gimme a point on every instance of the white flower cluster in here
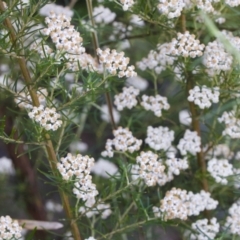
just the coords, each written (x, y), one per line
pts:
(158, 60)
(100, 208)
(206, 229)
(159, 138)
(204, 96)
(220, 169)
(120, 31)
(103, 15)
(6, 166)
(57, 9)
(42, 49)
(155, 104)
(151, 169)
(232, 124)
(75, 166)
(79, 167)
(9, 229)
(232, 3)
(219, 151)
(68, 42)
(177, 203)
(232, 222)
(127, 98)
(123, 141)
(90, 238)
(186, 45)
(23, 100)
(171, 8)
(46, 117)
(137, 82)
(126, 4)
(216, 58)
(116, 63)
(105, 116)
(190, 142)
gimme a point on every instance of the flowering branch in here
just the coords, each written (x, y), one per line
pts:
(35, 101)
(96, 46)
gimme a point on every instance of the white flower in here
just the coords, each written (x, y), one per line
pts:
(186, 45)
(53, 206)
(155, 104)
(106, 116)
(232, 124)
(137, 82)
(204, 97)
(126, 4)
(159, 138)
(9, 229)
(185, 118)
(46, 117)
(216, 58)
(123, 141)
(126, 99)
(104, 168)
(206, 229)
(115, 63)
(190, 142)
(103, 15)
(6, 166)
(232, 223)
(220, 169)
(78, 146)
(58, 9)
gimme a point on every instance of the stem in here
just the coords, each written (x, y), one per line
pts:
(195, 123)
(196, 128)
(96, 46)
(49, 146)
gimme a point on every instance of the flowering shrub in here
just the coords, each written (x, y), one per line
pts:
(129, 109)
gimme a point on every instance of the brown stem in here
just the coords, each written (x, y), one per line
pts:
(49, 146)
(96, 46)
(27, 174)
(196, 128)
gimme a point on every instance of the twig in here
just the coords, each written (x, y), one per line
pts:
(49, 146)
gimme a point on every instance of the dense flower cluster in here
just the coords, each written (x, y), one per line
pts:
(232, 222)
(100, 208)
(46, 117)
(216, 58)
(75, 166)
(153, 170)
(186, 45)
(232, 124)
(178, 203)
(123, 141)
(158, 60)
(190, 142)
(159, 138)
(68, 42)
(79, 167)
(150, 168)
(103, 15)
(171, 8)
(127, 98)
(220, 169)
(206, 229)
(9, 229)
(115, 63)
(126, 4)
(155, 104)
(204, 97)
(57, 9)
(23, 100)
